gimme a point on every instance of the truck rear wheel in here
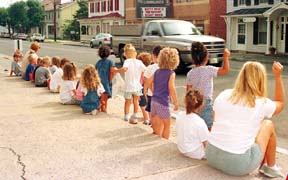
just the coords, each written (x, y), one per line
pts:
(121, 55)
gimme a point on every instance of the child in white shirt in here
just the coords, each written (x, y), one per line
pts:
(56, 78)
(133, 87)
(192, 132)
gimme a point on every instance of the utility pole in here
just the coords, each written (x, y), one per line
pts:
(54, 20)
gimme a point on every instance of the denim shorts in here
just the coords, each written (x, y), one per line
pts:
(234, 164)
(160, 110)
(128, 95)
(142, 100)
(148, 104)
(207, 113)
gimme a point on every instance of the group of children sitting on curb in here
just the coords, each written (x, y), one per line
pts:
(149, 83)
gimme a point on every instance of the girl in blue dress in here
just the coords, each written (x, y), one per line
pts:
(92, 89)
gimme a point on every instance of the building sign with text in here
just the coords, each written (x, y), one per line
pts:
(157, 9)
(153, 12)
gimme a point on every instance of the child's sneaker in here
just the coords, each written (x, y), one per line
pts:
(94, 112)
(133, 120)
(147, 122)
(272, 172)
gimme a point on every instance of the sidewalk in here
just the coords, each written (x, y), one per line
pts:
(44, 140)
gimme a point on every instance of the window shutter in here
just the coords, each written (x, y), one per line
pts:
(256, 2)
(270, 1)
(235, 3)
(248, 2)
(255, 32)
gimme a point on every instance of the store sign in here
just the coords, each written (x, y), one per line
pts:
(153, 12)
(249, 19)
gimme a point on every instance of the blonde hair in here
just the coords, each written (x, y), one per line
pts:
(130, 51)
(145, 57)
(250, 84)
(32, 57)
(168, 58)
(46, 60)
(69, 71)
(90, 78)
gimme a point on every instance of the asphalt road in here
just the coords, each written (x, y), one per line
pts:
(86, 55)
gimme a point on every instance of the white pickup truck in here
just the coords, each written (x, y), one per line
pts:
(173, 33)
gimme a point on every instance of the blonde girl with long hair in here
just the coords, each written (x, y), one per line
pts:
(242, 139)
(163, 83)
(92, 89)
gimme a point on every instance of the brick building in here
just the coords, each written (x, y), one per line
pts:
(218, 8)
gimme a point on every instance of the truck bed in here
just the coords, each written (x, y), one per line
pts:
(127, 30)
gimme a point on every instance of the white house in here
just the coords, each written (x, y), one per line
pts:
(102, 14)
(257, 25)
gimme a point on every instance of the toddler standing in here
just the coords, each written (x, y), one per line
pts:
(133, 87)
(201, 77)
(164, 89)
(191, 129)
(145, 57)
(15, 65)
(106, 69)
(91, 86)
(68, 85)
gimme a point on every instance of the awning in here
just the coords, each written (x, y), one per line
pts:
(248, 12)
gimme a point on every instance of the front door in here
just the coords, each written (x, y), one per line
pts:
(241, 35)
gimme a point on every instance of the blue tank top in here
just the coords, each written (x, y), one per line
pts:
(161, 86)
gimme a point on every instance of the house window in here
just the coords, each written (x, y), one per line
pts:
(263, 1)
(241, 2)
(116, 5)
(241, 32)
(262, 31)
(50, 29)
(110, 5)
(92, 8)
(98, 7)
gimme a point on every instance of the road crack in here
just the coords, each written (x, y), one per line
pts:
(18, 160)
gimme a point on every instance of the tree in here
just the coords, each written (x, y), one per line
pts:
(35, 13)
(3, 17)
(18, 16)
(74, 25)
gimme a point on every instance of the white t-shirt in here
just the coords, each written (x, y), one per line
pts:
(133, 75)
(66, 90)
(236, 126)
(191, 131)
(55, 80)
(149, 73)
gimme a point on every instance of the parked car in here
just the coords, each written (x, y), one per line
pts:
(5, 35)
(22, 36)
(37, 37)
(101, 38)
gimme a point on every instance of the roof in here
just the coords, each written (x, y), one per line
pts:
(111, 15)
(250, 11)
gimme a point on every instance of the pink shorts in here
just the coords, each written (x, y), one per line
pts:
(160, 110)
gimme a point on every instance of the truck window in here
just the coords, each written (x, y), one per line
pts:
(152, 28)
(179, 28)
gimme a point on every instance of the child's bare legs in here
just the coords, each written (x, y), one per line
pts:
(126, 109)
(156, 126)
(104, 99)
(135, 104)
(266, 138)
(144, 112)
(166, 128)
